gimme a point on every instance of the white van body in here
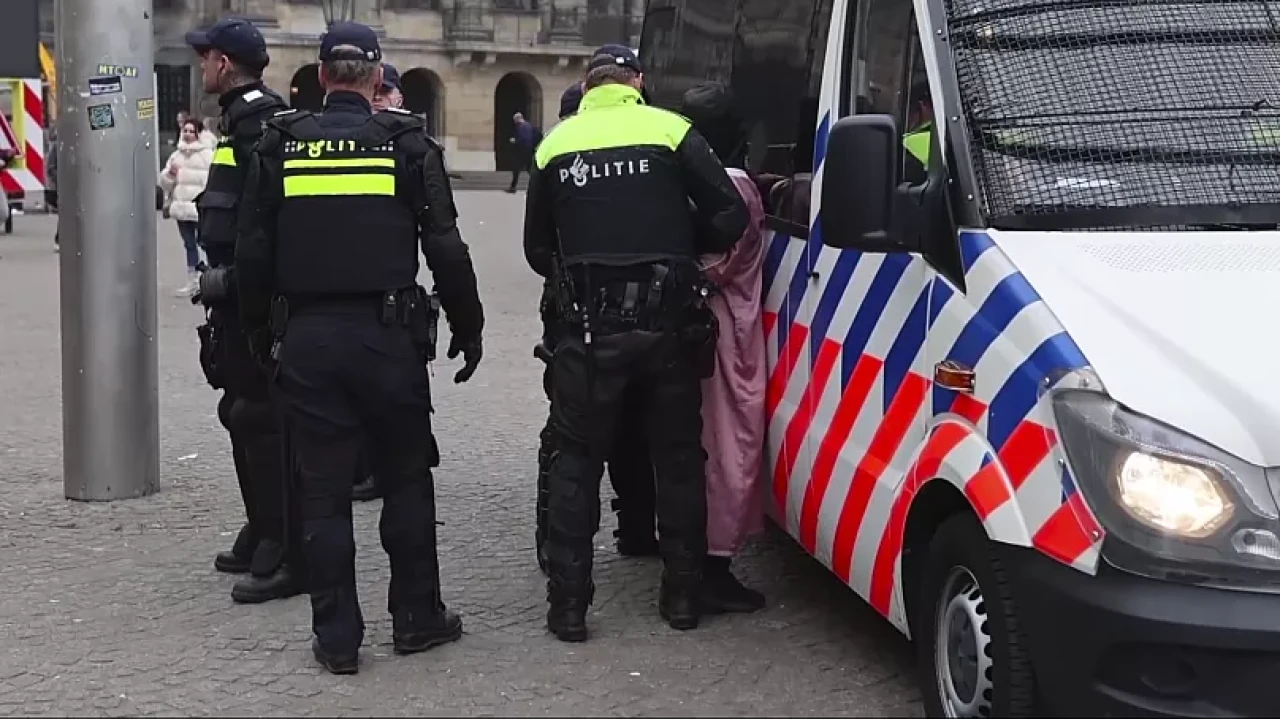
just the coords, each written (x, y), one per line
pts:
(904, 394)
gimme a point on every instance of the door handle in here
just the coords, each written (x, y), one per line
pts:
(952, 375)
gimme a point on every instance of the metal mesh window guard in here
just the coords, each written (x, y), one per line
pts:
(1122, 113)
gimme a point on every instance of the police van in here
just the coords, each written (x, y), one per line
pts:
(1023, 287)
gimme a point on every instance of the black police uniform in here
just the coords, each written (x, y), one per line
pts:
(366, 488)
(339, 199)
(628, 290)
(246, 408)
(630, 469)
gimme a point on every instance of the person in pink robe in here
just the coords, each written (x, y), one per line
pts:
(733, 399)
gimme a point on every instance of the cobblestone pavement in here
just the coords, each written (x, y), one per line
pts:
(115, 609)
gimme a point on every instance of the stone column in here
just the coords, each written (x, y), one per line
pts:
(259, 12)
(369, 12)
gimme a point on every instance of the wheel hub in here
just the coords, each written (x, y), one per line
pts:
(963, 642)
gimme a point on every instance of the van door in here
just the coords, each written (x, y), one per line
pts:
(879, 418)
(772, 64)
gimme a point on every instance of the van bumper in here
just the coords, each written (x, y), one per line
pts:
(1121, 645)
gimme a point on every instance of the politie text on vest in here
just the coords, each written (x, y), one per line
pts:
(583, 172)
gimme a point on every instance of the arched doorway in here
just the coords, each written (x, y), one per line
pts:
(424, 96)
(305, 92)
(516, 92)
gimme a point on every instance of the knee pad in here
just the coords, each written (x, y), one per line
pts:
(252, 416)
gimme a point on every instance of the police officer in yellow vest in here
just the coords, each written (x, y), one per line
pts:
(233, 55)
(328, 261)
(608, 215)
(919, 134)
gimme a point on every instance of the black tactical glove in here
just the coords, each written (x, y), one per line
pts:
(544, 352)
(471, 350)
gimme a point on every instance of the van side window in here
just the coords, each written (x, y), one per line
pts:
(686, 42)
(771, 53)
(915, 116)
(881, 33)
(777, 75)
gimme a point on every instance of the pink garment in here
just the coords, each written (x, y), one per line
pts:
(733, 415)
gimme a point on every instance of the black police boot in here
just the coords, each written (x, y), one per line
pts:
(365, 490)
(678, 598)
(335, 663)
(567, 615)
(239, 557)
(634, 535)
(411, 633)
(283, 583)
(721, 592)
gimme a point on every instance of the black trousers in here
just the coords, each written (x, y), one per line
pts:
(251, 416)
(588, 409)
(630, 471)
(347, 379)
(526, 159)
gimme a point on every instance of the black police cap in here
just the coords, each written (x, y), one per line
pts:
(390, 77)
(570, 99)
(361, 37)
(234, 37)
(617, 55)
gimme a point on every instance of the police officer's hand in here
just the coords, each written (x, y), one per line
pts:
(472, 350)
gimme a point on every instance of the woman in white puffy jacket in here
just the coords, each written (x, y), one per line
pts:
(182, 180)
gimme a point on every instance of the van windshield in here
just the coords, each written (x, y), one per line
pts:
(1121, 113)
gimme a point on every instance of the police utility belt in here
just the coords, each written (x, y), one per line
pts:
(668, 305)
(413, 308)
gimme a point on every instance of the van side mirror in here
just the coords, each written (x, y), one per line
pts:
(860, 185)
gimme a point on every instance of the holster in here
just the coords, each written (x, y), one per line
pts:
(418, 310)
(211, 339)
(700, 330)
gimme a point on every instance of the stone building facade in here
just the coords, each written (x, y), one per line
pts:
(466, 65)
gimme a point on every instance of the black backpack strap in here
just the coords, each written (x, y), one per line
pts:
(259, 102)
(300, 125)
(388, 125)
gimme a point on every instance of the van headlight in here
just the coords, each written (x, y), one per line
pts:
(1174, 507)
(1170, 496)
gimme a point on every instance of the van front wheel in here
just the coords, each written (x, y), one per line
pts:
(973, 658)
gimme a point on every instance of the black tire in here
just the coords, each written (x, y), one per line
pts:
(8, 223)
(965, 579)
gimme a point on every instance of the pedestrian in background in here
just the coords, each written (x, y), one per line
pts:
(526, 139)
(185, 174)
(733, 398)
(207, 135)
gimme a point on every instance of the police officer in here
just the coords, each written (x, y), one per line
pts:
(233, 55)
(387, 96)
(630, 470)
(626, 290)
(919, 133)
(327, 287)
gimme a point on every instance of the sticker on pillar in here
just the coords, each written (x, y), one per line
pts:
(101, 117)
(146, 108)
(121, 70)
(108, 85)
